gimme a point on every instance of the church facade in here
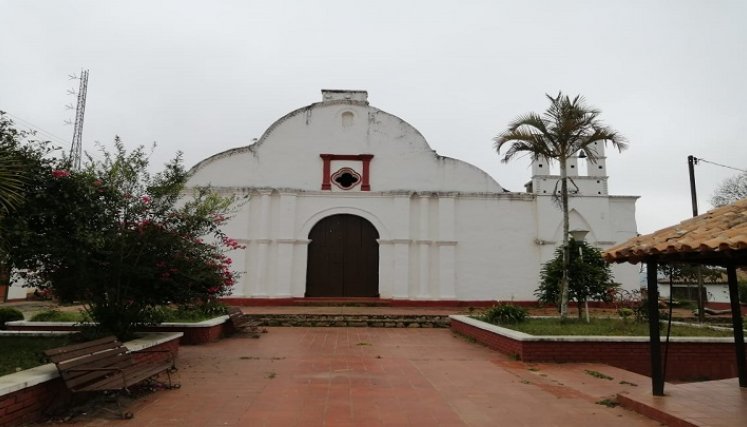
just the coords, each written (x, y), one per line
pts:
(343, 200)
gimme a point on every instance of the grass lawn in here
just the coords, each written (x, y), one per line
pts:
(60, 316)
(606, 327)
(21, 353)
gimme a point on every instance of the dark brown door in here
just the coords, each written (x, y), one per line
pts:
(343, 258)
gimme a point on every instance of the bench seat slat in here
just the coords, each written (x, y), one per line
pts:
(130, 376)
(76, 378)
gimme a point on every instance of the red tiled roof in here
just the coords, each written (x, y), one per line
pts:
(714, 234)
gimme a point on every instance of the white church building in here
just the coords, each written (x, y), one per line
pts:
(344, 200)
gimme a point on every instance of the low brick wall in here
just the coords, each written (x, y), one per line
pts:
(28, 404)
(689, 359)
(26, 396)
(210, 330)
(197, 333)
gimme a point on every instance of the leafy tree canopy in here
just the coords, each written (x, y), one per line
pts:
(117, 237)
(15, 151)
(590, 276)
(730, 190)
(688, 273)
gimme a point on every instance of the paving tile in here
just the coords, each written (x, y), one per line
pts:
(400, 377)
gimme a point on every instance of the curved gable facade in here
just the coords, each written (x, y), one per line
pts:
(288, 154)
(444, 229)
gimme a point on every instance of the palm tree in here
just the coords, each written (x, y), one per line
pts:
(567, 127)
(11, 181)
(12, 175)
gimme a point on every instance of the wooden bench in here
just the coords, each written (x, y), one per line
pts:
(106, 365)
(242, 323)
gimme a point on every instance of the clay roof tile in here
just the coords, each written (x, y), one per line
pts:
(721, 230)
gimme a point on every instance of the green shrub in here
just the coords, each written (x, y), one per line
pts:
(590, 277)
(743, 292)
(190, 313)
(8, 314)
(505, 313)
(625, 313)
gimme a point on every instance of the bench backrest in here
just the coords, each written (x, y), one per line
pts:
(84, 363)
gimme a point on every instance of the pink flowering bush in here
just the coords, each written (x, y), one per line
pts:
(114, 237)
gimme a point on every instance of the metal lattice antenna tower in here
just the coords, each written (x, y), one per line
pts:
(76, 151)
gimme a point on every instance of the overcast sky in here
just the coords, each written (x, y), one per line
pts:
(203, 77)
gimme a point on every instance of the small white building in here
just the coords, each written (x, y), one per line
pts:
(345, 200)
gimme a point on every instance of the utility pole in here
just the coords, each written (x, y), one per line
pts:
(691, 162)
(76, 150)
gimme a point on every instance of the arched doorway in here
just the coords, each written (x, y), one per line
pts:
(343, 258)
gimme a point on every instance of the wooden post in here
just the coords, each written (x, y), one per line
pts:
(657, 376)
(736, 322)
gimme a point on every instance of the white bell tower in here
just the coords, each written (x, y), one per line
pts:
(591, 182)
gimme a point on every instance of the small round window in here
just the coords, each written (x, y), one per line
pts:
(346, 178)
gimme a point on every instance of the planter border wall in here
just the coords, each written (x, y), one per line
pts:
(193, 333)
(689, 358)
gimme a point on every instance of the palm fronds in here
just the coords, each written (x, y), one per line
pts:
(12, 181)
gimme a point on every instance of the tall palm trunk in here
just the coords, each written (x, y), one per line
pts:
(566, 248)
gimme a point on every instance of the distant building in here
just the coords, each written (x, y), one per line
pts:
(346, 200)
(714, 290)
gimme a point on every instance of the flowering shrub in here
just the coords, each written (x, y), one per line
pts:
(60, 173)
(118, 238)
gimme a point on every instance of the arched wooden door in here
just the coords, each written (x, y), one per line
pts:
(343, 258)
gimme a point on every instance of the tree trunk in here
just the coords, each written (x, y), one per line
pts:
(566, 248)
(4, 282)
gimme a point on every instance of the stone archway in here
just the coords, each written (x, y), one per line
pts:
(343, 258)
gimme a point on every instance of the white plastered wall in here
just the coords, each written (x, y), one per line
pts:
(446, 229)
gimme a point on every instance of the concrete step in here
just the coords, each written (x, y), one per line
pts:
(352, 320)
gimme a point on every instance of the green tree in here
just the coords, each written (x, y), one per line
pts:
(567, 127)
(590, 276)
(20, 159)
(12, 173)
(689, 272)
(120, 239)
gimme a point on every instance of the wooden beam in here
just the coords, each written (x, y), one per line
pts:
(657, 375)
(736, 322)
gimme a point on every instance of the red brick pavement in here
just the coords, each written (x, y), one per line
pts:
(372, 377)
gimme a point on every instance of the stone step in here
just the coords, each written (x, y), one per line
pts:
(341, 302)
(352, 320)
